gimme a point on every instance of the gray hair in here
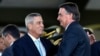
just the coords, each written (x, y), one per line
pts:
(29, 18)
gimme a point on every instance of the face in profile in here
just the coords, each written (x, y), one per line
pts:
(6, 40)
(63, 17)
(37, 26)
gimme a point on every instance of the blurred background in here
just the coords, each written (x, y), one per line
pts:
(14, 12)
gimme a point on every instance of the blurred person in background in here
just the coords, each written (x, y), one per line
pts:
(2, 45)
(10, 33)
(95, 45)
(75, 41)
(31, 44)
(91, 35)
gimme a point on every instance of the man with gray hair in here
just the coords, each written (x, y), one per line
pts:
(31, 44)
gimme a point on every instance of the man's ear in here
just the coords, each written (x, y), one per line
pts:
(29, 26)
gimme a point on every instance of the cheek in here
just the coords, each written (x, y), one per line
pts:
(35, 29)
(39, 31)
(5, 41)
(63, 20)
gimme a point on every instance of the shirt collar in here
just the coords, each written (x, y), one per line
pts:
(67, 27)
(11, 44)
(33, 38)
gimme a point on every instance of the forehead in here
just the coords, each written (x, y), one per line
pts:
(1, 39)
(62, 10)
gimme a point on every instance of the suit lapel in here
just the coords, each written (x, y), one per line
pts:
(31, 45)
(44, 44)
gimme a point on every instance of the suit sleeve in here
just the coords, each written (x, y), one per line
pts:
(68, 45)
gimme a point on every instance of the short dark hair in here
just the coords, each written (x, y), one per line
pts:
(71, 7)
(12, 30)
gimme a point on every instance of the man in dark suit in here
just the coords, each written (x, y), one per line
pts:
(31, 44)
(75, 41)
(10, 34)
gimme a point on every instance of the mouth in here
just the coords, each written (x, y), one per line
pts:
(42, 29)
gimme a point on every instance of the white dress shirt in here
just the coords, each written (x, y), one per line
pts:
(0, 53)
(39, 45)
(67, 27)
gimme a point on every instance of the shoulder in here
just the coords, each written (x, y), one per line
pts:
(21, 41)
(74, 27)
(75, 31)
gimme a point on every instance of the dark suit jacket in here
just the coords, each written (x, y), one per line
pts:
(26, 47)
(75, 42)
(95, 49)
(8, 51)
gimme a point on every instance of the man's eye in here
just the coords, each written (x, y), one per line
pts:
(39, 22)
